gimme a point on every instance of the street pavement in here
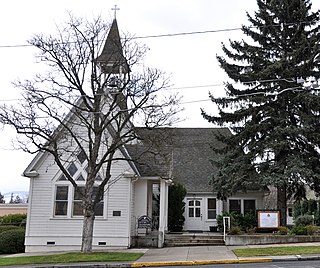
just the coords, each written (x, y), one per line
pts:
(185, 256)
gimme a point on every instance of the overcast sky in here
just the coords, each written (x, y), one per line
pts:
(190, 60)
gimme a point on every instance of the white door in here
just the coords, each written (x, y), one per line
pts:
(194, 214)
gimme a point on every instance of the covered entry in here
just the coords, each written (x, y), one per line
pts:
(151, 200)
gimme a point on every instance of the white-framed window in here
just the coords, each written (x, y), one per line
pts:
(290, 211)
(235, 205)
(194, 210)
(77, 209)
(249, 206)
(68, 201)
(212, 208)
(61, 200)
(242, 206)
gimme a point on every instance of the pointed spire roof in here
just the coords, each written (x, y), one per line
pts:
(111, 57)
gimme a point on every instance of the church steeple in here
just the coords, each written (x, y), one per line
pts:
(111, 59)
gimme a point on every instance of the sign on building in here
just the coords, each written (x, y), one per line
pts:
(268, 219)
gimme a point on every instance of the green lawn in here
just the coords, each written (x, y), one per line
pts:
(273, 251)
(71, 257)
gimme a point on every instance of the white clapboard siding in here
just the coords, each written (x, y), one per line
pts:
(43, 226)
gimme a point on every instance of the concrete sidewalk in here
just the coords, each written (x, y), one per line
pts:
(212, 255)
(185, 256)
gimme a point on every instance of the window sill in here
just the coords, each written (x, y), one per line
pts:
(74, 218)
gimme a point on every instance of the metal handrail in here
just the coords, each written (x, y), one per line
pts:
(226, 227)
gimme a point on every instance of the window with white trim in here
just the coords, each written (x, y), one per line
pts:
(249, 206)
(77, 209)
(235, 205)
(242, 206)
(78, 171)
(194, 208)
(61, 201)
(290, 211)
(212, 208)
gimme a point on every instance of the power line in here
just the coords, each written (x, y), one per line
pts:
(193, 87)
(188, 33)
(178, 34)
(185, 87)
(294, 89)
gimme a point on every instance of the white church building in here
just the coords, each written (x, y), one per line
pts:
(54, 221)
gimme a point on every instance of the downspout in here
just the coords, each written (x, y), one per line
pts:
(132, 179)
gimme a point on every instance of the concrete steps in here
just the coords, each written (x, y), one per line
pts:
(193, 239)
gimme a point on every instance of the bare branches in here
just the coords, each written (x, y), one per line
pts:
(73, 107)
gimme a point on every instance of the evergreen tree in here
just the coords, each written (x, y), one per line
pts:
(275, 120)
(2, 200)
(17, 200)
(176, 195)
(11, 199)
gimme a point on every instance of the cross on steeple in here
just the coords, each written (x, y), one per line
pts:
(115, 9)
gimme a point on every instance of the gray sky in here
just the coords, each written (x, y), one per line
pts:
(188, 59)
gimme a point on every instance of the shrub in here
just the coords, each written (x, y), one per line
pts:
(251, 230)
(283, 230)
(177, 192)
(298, 230)
(317, 215)
(304, 220)
(249, 221)
(12, 241)
(5, 228)
(244, 222)
(220, 221)
(235, 230)
(312, 206)
(14, 219)
(311, 229)
(297, 210)
(234, 219)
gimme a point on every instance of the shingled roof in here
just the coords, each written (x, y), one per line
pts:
(182, 154)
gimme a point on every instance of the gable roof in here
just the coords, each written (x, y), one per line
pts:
(183, 154)
(111, 59)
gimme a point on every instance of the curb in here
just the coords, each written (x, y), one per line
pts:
(176, 263)
(190, 263)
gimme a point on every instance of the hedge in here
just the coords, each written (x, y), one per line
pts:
(12, 241)
(5, 228)
(18, 219)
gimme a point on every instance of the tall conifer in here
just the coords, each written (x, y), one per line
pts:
(275, 119)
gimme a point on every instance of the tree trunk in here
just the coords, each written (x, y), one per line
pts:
(87, 230)
(282, 204)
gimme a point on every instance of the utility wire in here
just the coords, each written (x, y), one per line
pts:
(180, 34)
(192, 87)
(187, 33)
(294, 89)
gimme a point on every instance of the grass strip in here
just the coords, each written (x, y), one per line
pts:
(72, 258)
(276, 251)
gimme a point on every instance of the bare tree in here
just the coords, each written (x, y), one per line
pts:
(87, 104)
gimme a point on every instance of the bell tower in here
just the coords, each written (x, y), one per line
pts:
(112, 63)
